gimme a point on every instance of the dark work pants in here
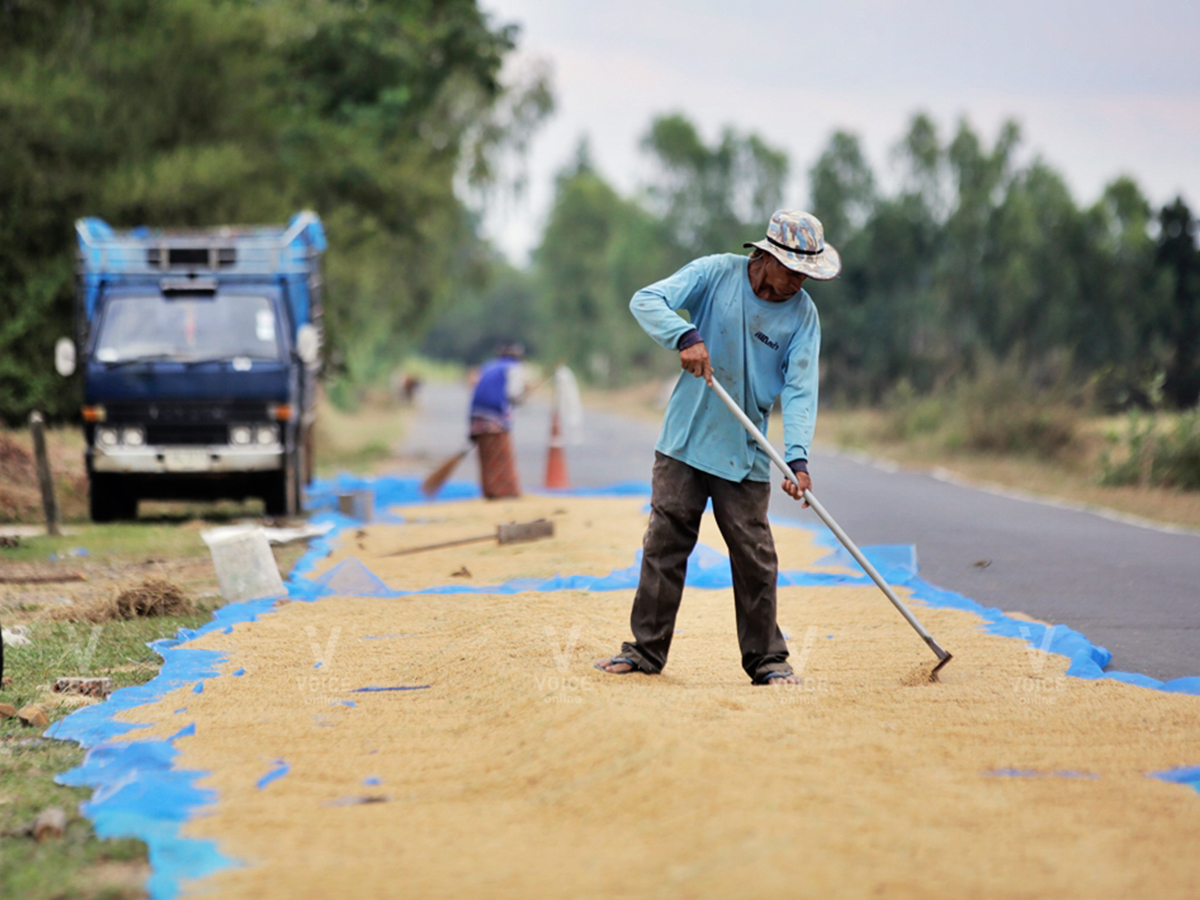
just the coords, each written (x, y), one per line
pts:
(680, 494)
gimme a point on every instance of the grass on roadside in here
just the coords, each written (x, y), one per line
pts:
(77, 865)
(117, 543)
(80, 865)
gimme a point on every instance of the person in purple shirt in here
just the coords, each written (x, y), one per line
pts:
(501, 384)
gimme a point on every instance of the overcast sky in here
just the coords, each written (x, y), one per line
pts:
(1099, 88)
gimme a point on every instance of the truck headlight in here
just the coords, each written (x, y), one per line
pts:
(133, 437)
(240, 435)
(107, 437)
(266, 434)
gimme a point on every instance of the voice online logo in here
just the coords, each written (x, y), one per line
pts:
(560, 686)
(320, 687)
(1038, 689)
(810, 689)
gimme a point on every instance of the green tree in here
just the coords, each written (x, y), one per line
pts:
(507, 308)
(842, 186)
(1178, 256)
(712, 198)
(877, 321)
(1030, 290)
(1122, 297)
(980, 177)
(597, 249)
(921, 159)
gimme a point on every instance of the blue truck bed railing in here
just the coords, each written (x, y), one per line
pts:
(292, 253)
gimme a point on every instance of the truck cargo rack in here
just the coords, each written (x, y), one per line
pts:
(238, 251)
(293, 253)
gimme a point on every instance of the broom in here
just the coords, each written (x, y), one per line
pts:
(434, 480)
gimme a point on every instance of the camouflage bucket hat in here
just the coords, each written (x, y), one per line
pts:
(797, 240)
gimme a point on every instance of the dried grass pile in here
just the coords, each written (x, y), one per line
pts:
(152, 597)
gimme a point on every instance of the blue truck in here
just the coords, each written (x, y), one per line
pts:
(200, 358)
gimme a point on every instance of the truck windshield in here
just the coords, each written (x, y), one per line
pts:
(188, 327)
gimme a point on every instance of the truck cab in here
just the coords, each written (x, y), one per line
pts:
(199, 353)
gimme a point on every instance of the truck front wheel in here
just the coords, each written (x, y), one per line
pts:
(281, 497)
(109, 500)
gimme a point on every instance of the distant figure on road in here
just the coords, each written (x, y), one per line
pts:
(764, 335)
(403, 387)
(501, 384)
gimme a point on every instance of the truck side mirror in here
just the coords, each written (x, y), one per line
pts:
(308, 344)
(64, 357)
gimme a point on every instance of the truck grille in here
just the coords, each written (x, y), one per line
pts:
(187, 434)
(186, 423)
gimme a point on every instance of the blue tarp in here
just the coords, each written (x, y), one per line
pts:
(1189, 775)
(138, 793)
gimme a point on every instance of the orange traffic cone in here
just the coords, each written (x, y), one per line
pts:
(556, 459)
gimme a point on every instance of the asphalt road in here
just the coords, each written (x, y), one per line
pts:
(1131, 588)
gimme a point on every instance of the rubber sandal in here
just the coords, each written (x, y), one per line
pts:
(618, 659)
(771, 675)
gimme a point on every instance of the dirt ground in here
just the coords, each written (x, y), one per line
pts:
(20, 492)
(509, 767)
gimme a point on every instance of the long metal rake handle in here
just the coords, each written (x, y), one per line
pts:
(825, 517)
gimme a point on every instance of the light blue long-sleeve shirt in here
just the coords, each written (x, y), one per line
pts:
(758, 349)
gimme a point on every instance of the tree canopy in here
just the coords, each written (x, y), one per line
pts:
(978, 257)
